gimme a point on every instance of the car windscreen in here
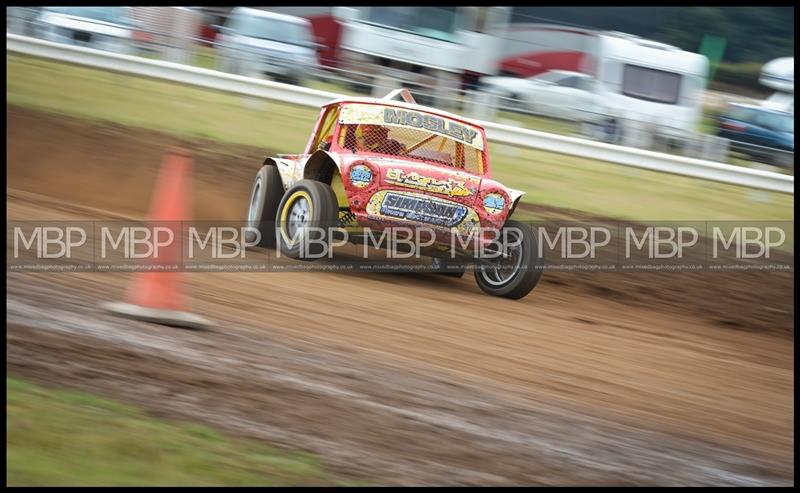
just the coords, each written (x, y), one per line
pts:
(740, 114)
(271, 29)
(114, 15)
(775, 121)
(406, 133)
(651, 84)
(549, 77)
(434, 22)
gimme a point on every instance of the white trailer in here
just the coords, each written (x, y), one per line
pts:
(648, 86)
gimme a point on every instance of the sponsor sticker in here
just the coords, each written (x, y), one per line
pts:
(417, 207)
(360, 176)
(385, 115)
(451, 187)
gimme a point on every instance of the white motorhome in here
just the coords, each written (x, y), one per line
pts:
(439, 47)
(779, 75)
(647, 85)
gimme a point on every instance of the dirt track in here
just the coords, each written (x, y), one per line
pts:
(593, 379)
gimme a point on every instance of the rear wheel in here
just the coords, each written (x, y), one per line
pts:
(264, 200)
(307, 212)
(517, 272)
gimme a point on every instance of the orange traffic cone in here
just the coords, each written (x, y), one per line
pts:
(158, 296)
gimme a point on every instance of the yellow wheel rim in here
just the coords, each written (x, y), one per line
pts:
(296, 213)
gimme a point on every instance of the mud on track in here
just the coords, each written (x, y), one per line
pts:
(593, 379)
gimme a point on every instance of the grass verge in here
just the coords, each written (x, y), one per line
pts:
(549, 178)
(65, 438)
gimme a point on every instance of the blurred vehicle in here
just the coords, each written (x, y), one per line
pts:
(557, 93)
(778, 74)
(326, 29)
(168, 33)
(379, 163)
(257, 43)
(103, 28)
(429, 49)
(22, 20)
(764, 134)
(530, 49)
(626, 85)
(646, 84)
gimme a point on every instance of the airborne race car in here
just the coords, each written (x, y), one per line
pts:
(381, 164)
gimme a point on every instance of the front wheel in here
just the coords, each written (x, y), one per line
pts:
(518, 270)
(304, 219)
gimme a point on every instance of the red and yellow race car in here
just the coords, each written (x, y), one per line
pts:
(383, 163)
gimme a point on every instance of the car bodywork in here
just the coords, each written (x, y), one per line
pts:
(762, 133)
(256, 43)
(558, 93)
(415, 189)
(105, 28)
(749, 124)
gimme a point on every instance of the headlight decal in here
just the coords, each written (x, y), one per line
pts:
(494, 203)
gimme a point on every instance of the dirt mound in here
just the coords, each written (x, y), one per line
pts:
(113, 167)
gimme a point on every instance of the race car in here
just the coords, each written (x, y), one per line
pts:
(383, 163)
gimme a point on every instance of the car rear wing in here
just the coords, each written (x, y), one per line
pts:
(404, 93)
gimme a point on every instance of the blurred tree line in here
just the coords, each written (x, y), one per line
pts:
(752, 34)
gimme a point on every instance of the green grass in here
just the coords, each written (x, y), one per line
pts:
(533, 122)
(549, 178)
(205, 57)
(147, 103)
(628, 193)
(65, 438)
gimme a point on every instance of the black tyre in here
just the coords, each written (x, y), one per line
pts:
(307, 204)
(612, 131)
(782, 159)
(447, 267)
(516, 275)
(264, 200)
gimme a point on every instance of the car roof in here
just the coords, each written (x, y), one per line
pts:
(269, 15)
(56, 9)
(564, 72)
(756, 107)
(402, 104)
